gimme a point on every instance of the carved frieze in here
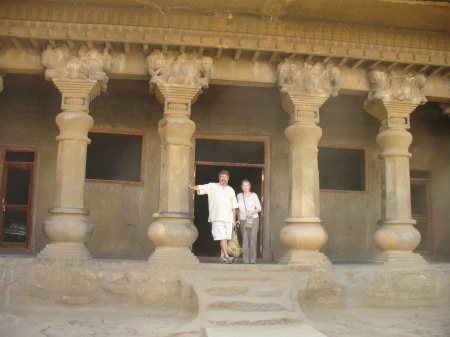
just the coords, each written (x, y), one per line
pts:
(313, 77)
(87, 63)
(178, 68)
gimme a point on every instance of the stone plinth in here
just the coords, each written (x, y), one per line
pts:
(68, 227)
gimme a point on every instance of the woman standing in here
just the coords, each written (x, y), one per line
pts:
(249, 206)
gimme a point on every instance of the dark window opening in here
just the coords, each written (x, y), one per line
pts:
(229, 151)
(23, 157)
(114, 156)
(341, 169)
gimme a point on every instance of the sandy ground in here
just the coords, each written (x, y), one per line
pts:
(71, 322)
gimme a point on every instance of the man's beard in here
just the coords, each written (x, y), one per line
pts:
(223, 183)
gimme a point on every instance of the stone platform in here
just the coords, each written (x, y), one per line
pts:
(111, 297)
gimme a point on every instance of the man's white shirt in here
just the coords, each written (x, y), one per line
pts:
(221, 201)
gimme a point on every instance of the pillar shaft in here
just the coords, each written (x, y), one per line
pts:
(173, 232)
(68, 228)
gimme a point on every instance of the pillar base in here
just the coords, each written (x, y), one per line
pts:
(400, 259)
(173, 255)
(65, 250)
(305, 258)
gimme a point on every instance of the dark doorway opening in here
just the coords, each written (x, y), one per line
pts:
(17, 198)
(205, 246)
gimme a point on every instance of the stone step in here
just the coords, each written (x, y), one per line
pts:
(245, 304)
(229, 317)
(295, 330)
(224, 290)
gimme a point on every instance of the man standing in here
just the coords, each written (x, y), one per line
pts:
(222, 211)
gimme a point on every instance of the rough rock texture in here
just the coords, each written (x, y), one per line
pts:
(134, 298)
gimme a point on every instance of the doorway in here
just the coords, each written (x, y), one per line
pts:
(16, 195)
(243, 158)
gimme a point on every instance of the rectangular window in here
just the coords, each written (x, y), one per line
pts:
(342, 169)
(115, 156)
(420, 208)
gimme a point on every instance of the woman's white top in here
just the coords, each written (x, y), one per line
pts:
(252, 203)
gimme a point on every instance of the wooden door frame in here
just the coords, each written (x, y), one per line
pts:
(427, 182)
(265, 198)
(31, 196)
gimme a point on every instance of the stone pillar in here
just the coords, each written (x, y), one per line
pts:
(68, 227)
(177, 80)
(397, 237)
(305, 84)
(303, 233)
(173, 232)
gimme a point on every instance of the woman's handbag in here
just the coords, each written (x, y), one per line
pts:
(249, 220)
(234, 249)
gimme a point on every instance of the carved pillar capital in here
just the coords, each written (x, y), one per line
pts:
(178, 68)
(63, 62)
(177, 98)
(393, 96)
(303, 107)
(309, 76)
(77, 94)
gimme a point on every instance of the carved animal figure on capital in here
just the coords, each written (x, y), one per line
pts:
(169, 68)
(89, 63)
(396, 85)
(308, 76)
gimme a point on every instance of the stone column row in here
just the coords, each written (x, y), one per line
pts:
(177, 81)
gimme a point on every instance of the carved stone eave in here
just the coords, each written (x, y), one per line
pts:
(367, 46)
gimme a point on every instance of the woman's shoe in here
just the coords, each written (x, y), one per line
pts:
(252, 262)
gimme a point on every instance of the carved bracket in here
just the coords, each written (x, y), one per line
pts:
(310, 76)
(178, 68)
(88, 63)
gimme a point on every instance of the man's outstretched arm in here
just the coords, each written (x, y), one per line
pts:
(195, 188)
